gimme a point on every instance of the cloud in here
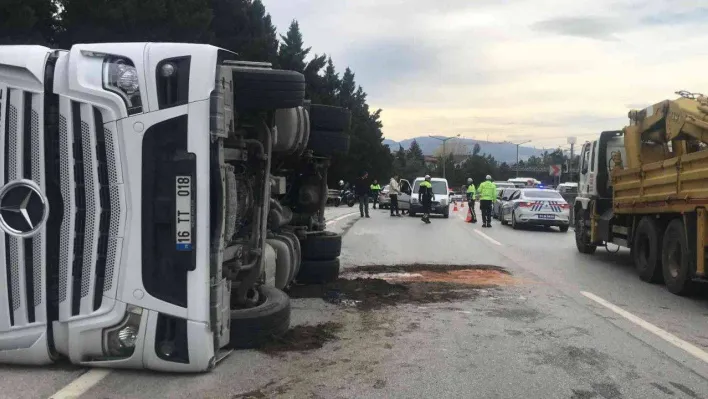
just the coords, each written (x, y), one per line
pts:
(534, 69)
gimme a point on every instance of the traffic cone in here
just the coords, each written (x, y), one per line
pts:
(469, 215)
(454, 209)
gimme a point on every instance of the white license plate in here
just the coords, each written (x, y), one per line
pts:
(546, 216)
(183, 213)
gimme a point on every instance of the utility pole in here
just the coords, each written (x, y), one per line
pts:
(571, 141)
(444, 140)
(517, 155)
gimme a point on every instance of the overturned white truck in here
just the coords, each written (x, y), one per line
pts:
(155, 200)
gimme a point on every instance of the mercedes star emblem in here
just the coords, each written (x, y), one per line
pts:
(23, 208)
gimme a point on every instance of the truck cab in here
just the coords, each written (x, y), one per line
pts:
(144, 223)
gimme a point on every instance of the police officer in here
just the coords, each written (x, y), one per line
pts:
(471, 193)
(425, 197)
(375, 190)
(487, 194)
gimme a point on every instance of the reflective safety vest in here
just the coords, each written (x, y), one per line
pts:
(487, 191)
(375, 187)
(471, 191)
(425, 190)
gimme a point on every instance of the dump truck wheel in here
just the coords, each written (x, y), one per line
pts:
(328, 143)
(676, 260)
(253, 327)
(267, 89)
(647, 251)
(322, 245)
(582, 235)
(318, 271)
(327, 117)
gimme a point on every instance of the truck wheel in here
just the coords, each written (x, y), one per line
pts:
(252, 327)
(321, 246)
(327, 117)
(647, 251)
(676, 262)
(327, 143)
(318, 271)
(267, 89)
(582, 236)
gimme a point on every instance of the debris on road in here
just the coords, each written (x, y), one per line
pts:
(303, 338)
(373, 287)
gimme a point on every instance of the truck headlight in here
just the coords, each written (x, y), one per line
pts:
(119, 340)
(121, 77)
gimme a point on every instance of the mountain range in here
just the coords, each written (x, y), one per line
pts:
(502, 152)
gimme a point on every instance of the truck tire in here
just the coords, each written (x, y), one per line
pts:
(267, 89)
(582, 235)
(647, 251)
(327, 117)
(253, 327)
(328, 143)
(677, 265)
(322, 245)
(318, 271)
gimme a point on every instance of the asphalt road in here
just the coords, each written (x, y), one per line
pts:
(569, 326)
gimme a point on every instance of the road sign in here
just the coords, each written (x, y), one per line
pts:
(555, 170)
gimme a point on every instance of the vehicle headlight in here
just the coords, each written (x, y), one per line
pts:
(119, 340)
(121, 77)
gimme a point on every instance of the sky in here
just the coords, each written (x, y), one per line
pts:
(516, 70)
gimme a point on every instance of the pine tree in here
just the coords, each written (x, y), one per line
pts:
(331, 84)
(415, 153)
(27, 21)
(347, 89)
(292, 54)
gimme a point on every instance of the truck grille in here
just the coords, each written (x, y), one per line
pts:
(91, 186)
(70, 263)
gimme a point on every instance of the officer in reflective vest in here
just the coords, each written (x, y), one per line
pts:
(487, 194)
(375, 190)
(425, 197)
(471, 193)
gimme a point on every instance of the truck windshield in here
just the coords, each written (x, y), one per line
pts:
(439, 187)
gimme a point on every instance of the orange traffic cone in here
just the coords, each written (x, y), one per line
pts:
(469, 215)
(454, 209)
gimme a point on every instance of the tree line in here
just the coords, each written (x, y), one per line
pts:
(241, 26)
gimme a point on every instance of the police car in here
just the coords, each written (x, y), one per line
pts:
(533, 206)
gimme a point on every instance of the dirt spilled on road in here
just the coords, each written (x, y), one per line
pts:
(373, 287)
(303, 338)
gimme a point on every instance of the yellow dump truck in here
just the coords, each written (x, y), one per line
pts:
(645, 187)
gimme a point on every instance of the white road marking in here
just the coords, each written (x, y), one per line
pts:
(82, 384)
(488, 238)
(335, 220)
(663, 334)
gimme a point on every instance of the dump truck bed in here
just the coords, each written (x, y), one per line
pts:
(678, 184)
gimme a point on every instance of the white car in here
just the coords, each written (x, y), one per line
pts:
(441, 202)
(533, 206)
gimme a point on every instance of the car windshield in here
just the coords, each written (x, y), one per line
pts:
(542, 194)
(439, 187)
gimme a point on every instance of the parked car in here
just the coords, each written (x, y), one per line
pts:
(532, 206)
(441, 204)
(384, 199)
(502, 196)
(502, 185)
(457, 197)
